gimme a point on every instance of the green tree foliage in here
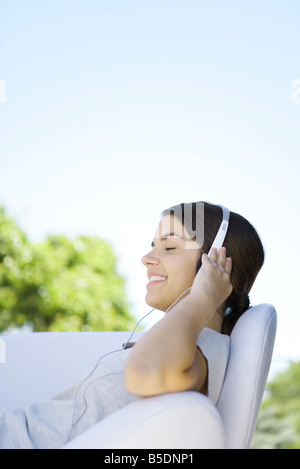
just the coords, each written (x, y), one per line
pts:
(59, 284)
(278, 425)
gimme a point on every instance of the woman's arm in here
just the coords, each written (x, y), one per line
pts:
(166, 358)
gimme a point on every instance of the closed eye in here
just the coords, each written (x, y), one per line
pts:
(170, 249)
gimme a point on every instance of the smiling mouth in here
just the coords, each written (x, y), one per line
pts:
(155, 279)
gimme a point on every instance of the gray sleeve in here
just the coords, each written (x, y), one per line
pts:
(216, 348)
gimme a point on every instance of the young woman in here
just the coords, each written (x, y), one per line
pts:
(203, 297)
(188, 348)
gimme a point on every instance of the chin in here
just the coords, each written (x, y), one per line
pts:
(155, 303)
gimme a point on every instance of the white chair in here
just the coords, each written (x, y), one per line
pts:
(38, 365)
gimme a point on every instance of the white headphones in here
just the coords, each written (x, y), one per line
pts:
(220, 236)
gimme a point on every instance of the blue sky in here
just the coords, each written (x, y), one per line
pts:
(112, 111)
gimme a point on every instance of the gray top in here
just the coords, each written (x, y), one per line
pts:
(216, 349)
(49, 424)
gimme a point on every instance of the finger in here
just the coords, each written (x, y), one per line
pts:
(205, 258)
(210, 260)
(228, 265)
(222, 257)
(214, 255)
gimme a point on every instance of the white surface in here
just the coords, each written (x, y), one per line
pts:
(38, 365)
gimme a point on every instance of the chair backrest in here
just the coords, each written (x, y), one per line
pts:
(252, 342)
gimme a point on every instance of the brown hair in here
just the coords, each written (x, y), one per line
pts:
(242, 244)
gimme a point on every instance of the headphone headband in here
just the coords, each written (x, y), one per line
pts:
(220, 237)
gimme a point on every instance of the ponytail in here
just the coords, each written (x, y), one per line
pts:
(236, 306)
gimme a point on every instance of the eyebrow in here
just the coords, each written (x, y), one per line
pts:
(166, 236)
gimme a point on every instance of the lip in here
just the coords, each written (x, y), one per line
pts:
(152, 273)
(156, 281)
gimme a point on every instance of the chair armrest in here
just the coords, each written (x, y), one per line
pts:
(185, 420)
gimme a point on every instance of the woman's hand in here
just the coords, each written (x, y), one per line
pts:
(213, 278)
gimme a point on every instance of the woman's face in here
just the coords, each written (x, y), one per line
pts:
(171, 264)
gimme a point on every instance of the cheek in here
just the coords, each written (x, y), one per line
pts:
(184, 273)
(191, 268)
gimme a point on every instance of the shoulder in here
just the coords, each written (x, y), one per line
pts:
(213, 342)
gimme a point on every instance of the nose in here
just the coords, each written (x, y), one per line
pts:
(150, 259)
